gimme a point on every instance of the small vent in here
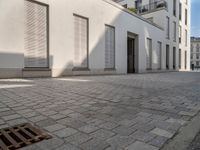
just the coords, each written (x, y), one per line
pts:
(21, 135)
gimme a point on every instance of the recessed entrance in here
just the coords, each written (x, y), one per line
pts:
(131, 55)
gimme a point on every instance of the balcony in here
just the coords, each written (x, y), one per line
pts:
(152, 6)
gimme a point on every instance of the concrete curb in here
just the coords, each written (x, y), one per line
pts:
(185, 136)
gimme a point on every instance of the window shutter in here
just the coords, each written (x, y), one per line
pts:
(109, 47)
(149, 54)
(81, 42)
(159, 50)
(36, 54)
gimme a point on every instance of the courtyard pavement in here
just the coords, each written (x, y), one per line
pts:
(125, 112)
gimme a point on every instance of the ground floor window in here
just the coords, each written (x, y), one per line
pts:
(149, 54)
(109, 47)
(80, 42)
(185, 59)
(36, 35)
(159, 55)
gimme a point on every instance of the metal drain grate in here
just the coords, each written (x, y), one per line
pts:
(21, 135)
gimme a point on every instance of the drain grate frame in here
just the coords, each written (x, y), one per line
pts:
(22, 135)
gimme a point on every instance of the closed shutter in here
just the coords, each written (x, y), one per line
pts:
(36, 35)
(149, 54)
(80, 42)
(109, 47)
(159, 54)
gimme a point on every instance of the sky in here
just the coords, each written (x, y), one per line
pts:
(195, 18)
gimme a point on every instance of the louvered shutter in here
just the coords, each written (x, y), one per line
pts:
(36, 53)
(80, 42)
(109, 47)
(159, 54)
(149, 54)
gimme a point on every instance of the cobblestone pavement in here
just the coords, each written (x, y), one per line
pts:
(131, 112)
(195, 145)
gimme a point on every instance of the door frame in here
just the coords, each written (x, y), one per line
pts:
(136, 52)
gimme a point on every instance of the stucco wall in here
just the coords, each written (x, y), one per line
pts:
(61, 34)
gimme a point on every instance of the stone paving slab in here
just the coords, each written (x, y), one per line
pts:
(139, 111)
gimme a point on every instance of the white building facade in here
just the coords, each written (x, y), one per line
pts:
(174, 17)
(195, 52)
(52, 38)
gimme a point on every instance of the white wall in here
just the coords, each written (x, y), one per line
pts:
(61, 33)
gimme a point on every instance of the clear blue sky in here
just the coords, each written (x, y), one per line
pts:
(195, 18)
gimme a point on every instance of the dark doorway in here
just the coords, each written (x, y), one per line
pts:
(131, 55)
(167, 57)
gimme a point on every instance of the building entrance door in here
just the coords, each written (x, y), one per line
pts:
(131, 55)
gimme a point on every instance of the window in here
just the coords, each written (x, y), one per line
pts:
(197, 56)
(185, 59)
(174, 57)
(168, 29)
(167, 56)
(186, 38)
(180, 11)
(109, 47)
(180, 34)
(197, 63)
(36, 35)
(174, 35)
(197, 48)
(192, 47)
(159, 55)
(191, 56)
(80, 42)
(149, 54)
(179, 58)
(174, 8)
(186, 17)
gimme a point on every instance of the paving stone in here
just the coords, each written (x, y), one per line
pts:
(124, 131)
(37, 118)
(17, 121)
(94, 144)
(74, 123)
(50, 144)
(78, 138)
(162, 132)
(88, 128)
(102, 134)
(185, 113)
(120, 141)
(65, 132)
(46, 122)
(31, 147)
(1, 122)
(57, 116)
(141, 146)
(108, 125)
(68, 147)
(158, 141)
(171, 120)
(143, 136)
(11, 117)
(54, 127)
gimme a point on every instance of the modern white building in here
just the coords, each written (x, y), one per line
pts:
(174, 17)
(52, 38)
(195, 52)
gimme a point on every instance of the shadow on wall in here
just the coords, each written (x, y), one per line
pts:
(12, 65)
(96, 52)
(14, 62)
